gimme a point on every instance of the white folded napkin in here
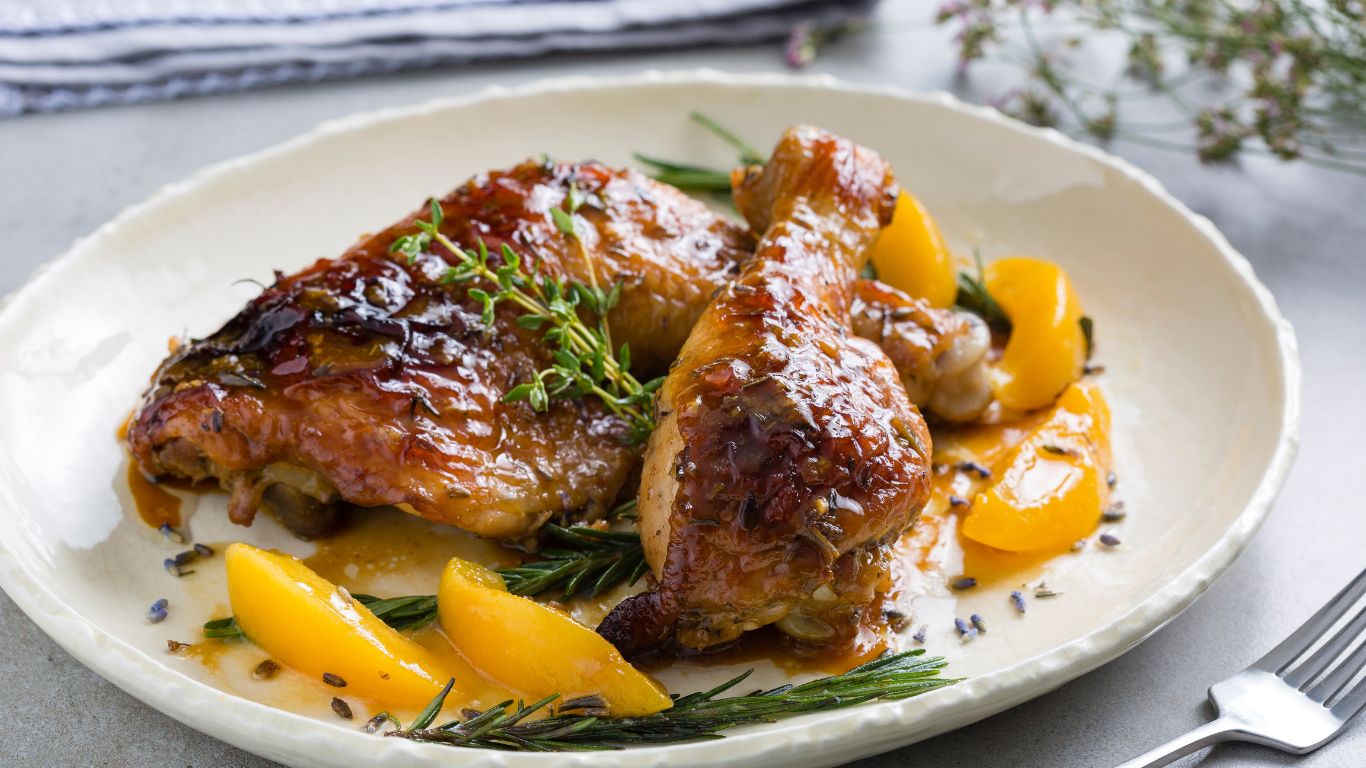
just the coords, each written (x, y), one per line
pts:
(67, 54)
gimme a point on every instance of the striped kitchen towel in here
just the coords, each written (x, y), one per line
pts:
(69, 54)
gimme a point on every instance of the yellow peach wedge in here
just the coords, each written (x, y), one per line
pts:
(1047, 349)
(536, 650)
(310, 624)
(1050, 489)
(910, 255)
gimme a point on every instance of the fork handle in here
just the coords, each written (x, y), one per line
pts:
(1213, 732)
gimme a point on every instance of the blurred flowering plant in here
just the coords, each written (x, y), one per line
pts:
(1279, 77)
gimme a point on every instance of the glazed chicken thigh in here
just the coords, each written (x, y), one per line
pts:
(372, 381)
(788, 457)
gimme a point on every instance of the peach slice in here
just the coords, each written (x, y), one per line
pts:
(910, 255)
(1049, 490)
(536, 650)
(310, 624)
(1047, 349)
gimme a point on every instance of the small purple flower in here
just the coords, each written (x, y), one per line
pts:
(1017, 598)
(978, 622)
(800, 50)
(157, 613)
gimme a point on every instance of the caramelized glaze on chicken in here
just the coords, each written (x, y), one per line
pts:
(368, 380)
(788, 457)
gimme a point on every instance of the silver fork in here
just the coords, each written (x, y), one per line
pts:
(1285, 701)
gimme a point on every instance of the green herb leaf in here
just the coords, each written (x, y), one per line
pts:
(563, 222)
(701, 715)
(973, 297)
(579, 561)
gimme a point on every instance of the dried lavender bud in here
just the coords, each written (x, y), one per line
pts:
(1114, 513)
(171, 534)
(1109, 540)
(266, 669)
(963, 582)
(1017, 598)
(975, 468)
(920, 634)
(203, 550)
(342, 709)
(157, 613)
(959, 501)
(966, 632)
(978, 622)
(335, 681)
(374, 724)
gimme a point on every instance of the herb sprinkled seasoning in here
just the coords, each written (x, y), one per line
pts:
(203, 550)
(959, 501)
(342, 709)
(1109, 540)
(1112, 479)
(171, 534)
(978, 622)
(175, 646)
(920, 634)
(157, 613)
(1114, 513)
(267, 669)
(1018, 600)
(963, 582)
(966, 631)
(374, 724)
(974, 468)
(333, 680)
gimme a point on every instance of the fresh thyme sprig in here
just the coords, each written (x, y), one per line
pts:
(583, 360)
(579, 561)
(575, 727)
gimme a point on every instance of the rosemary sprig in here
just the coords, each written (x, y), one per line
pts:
(583, 561)
(702, 715)
(583, 361)
(973, 297)
(696, 177)
(401, 613)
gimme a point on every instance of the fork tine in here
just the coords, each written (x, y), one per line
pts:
(1301, 639)
(1338, 679)
(1352, 703)
(1315, 664)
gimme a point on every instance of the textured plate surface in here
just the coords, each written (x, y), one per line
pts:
(1202, 376)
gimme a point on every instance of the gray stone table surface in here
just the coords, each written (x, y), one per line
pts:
(1303, 229)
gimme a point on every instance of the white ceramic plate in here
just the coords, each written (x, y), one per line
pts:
(1202, 376)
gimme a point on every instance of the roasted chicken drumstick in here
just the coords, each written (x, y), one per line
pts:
(788, 457)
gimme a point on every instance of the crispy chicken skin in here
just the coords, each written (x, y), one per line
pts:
(940, 354)
(368, 380)
(788, 457)
(365, 380)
